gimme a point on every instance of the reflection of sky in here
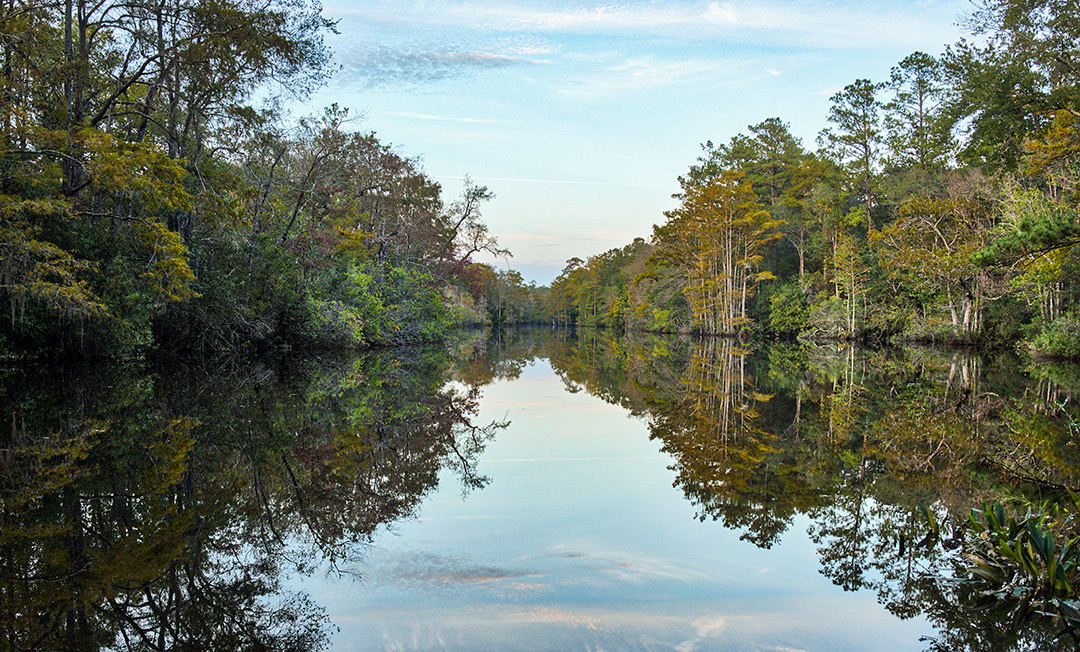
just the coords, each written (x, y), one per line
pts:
(580, 542)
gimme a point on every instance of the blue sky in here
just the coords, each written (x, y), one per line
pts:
(580, 116)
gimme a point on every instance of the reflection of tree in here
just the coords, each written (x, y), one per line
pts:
(839, 526)
(855, 440)
(163, 511)
(503, 355)
(724, 460)
(701, 403)
(622, 371)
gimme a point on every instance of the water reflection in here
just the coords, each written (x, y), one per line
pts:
(154, 508)
(169, 507)
(854, 440)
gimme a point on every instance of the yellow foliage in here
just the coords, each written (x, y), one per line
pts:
(352, 241)
(1060, 144)
(167, 269)
(136, 169)
(169, 453)
(717, 236)
(38, 269)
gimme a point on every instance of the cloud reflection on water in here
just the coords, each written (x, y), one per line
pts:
(604, 555)
(425, 571)
(580, 627)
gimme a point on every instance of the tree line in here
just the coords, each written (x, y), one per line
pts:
(940, 205)
(148, 201)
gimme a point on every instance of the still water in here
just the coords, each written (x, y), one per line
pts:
(533, 491)
(580, 542)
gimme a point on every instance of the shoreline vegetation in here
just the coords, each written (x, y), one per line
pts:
(941, 206)
(147, 206)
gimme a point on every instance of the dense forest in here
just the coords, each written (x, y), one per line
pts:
(154, 194)
(940, 206)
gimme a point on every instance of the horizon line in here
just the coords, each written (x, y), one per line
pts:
(552, 181)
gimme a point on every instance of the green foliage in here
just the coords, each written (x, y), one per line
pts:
(1017, 74)
(1058, 339)
(828, 318)
(336, 324)
(856, 139)
(511, 301)
(616, 289)
(919, 130)
(1021, 563)
(788, 309)
(890, 231)
(152, 208)
(1032, 225)
(378, 307)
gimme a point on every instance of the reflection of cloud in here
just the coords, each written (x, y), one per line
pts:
(709, 625)
(432, 567)
(705, 627)
(628, 566)
(557, 626)
(425, 571)
(397, 67)
(515, 627)
(628, 620)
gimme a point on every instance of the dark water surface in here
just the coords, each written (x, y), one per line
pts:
(527, 492)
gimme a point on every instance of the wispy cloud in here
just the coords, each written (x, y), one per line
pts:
(522, 16)
(721, 14)
(402, 67)
(439, 118)
(820, 23)
(649, 72)
(528, 45)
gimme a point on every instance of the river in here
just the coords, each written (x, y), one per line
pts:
(529, 491)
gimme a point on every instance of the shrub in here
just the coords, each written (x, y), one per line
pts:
(788, 310)
(1058, 339)
(828, 318)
